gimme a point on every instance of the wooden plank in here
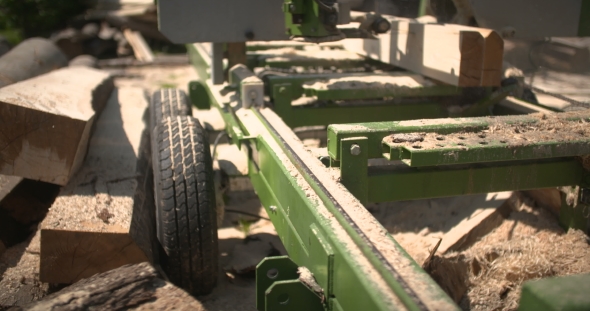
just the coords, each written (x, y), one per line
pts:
(453, 54)
(46, 122)
(137, 287)
(141, 49)
(236, 53)
(481, 222)
(104, 217)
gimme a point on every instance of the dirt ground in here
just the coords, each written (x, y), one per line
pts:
(527, 244)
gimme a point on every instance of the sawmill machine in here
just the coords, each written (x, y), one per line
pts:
(409, 107)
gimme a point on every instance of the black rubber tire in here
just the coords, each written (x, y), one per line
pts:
(168, 103)
(185, 204)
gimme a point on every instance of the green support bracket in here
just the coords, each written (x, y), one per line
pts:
(575, 208)
(328, 92)
(292, 295)
(568, 293)
(377, 131)
(198, 95)
(406, 183)
(353, 167)
(278, 287)
(387, 110)
(476, 147)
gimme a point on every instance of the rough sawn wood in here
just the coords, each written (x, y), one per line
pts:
(453, 54)
(45, 122)
(104, 217)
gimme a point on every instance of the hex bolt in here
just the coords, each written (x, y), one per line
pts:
(355, 149)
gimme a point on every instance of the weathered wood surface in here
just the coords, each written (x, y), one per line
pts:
(30, 58)
(46, 122)
(131, 287)
(454, 54)
(104, 217)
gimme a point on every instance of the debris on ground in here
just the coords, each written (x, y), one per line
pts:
(528, 245)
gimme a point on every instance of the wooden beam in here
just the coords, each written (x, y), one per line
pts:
(141, 49)
(236, 53)
(46, 122)
(104, 217)
(453, 54)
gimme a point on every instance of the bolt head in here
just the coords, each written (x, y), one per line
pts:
(253, 94)
(355, 149)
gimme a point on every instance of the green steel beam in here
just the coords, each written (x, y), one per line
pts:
(473, 149)
(369, 92)
(296, 116)
(403, 183)
(377, 131)
(310, 237)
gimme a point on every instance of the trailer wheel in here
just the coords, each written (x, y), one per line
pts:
(185, 204)
(168, 103)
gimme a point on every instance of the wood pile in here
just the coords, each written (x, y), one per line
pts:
(138, 287)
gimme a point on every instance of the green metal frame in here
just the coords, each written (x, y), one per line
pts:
(317, 231)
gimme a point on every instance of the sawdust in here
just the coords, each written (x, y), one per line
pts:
(309, 53)
(19, 274)
(528, 245)
(372, 82)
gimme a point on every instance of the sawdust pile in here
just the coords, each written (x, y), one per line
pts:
(528, 245)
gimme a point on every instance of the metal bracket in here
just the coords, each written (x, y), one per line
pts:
(353, 167)
(198, 95)
(278, 287)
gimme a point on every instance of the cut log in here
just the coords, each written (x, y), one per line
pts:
(453, 54)
(104, 218)
(30, 58)
(137, 287)
(46, 122)
(141, 50)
